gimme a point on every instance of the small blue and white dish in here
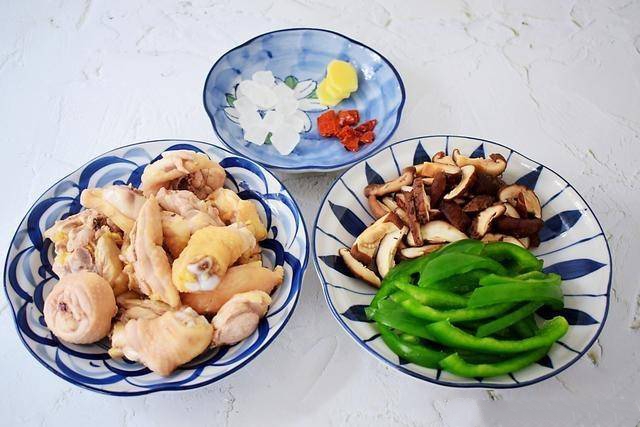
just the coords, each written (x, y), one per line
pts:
(572, 245)
(299, 57)
(28, 276)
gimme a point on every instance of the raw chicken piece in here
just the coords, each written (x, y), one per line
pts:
(150, 262)
(132, 306)
(176, 233)
(162, 343)
(233, 209)
(198, 213)
(211, 250)
(239, 317)
(239, 279)
(120, 203)
(183, 170)
(77, 247)
(79, 308)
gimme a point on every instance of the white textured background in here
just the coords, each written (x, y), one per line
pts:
(557, 80)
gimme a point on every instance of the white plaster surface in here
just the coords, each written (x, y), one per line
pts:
(558, 80)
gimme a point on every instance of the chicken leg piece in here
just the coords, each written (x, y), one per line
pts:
(239, 317)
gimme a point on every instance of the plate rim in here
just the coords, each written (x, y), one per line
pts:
(168, 388)
(437, 381)
(309, 168)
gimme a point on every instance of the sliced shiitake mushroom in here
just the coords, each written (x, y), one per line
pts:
(377, 209)
(414, 224)
(486, 184)
(367, 243)
(411, 252)
(385, 258)
(478, 203)
(511, 211)
(421, 201)
(441, 232)
(482, 223)
(359, 269)
(455, 215)
(466, 182)
(493, 166)
(496, 237)
(519, 227)
(401, 200)
(392, 186)
(511, 194)
(438, 188)
(430, 169)
(441, 157)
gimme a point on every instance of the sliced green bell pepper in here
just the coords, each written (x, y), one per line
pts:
(434, 297)
(451, 264)
(508, 319)
(514, 293)
(458, 366)
(414, 353)
(515, 258)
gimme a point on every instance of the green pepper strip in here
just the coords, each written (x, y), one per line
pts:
(433, 297)
(527, 327)
(512, 293)
(508, 319)
(518, 259)
(456, 315)
(450, 264)
(494, 279)
(458, 366)
(466, 246)
(447, 334)
(460, 283)
(535, 275)
(414, 353)
(392, 315)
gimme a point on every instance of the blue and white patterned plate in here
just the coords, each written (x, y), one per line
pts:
(299, 57)
(28, 276)
(572, 245)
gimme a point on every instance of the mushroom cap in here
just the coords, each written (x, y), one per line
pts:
(385, 259)
(466, 182)
(494, 165)
(430, 169)
(481, 223)
(441, 232)
(359, 269)
(514, 192)
(416, 252)
(391, 186)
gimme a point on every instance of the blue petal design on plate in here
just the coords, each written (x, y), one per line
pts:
(348, 219)
(546, 362)
(531, 179)
(574, 268)
(372, 176)
(356, 313)
(337, 263)
(478, 152)
(420, 155)
(402, 361)
(558, 224)
(573, 316)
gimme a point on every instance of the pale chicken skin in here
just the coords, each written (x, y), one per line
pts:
(120, 203)
(239, 317)
(183, 170)
(149, 260)
(239, 279)
(197, 213)
(210, 252)
(79, 308)
(233, 209)
(165, 342)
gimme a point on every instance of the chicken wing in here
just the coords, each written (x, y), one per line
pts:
(233, 209)
(198, 213)
(183, 170)
(239, 279)
(79, 308)
(176, 233)
(239, 317)
(149, 260)
(120, 203)
(162, 343)
(210, 252)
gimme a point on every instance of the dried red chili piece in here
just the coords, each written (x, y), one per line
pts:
(328, 124)
(351, 143)
(348, 118)
(367, 126)
(367, 137)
